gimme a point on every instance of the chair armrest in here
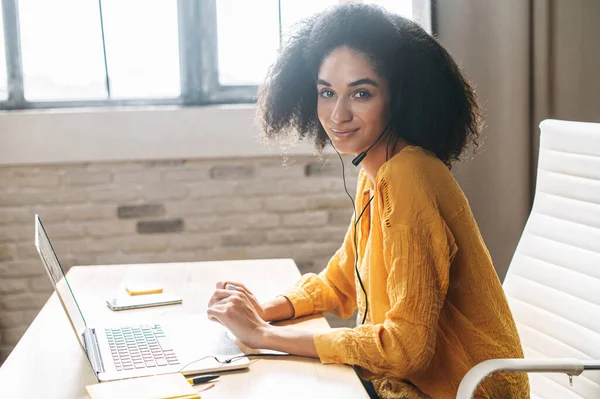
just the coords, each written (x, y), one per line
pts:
(473, 378)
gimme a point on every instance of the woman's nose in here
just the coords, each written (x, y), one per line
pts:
(341, 113)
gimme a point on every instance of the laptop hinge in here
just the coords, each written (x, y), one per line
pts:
(93, 349)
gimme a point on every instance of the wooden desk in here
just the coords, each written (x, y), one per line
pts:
(48, 362)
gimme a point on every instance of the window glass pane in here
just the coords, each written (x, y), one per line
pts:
(402, 7)
(248, 39)
(3, 91)
(142, 48)
(61, 45)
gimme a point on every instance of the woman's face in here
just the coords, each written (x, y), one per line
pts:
(353, 103)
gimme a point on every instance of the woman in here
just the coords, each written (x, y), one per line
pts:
(413, 261)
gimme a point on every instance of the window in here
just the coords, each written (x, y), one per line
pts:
(65, 53)
(3, 77)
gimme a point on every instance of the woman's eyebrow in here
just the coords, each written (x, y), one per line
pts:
(364, 81)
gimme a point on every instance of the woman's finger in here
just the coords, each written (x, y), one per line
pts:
(219, 295)
(238, 286)
(214, 314)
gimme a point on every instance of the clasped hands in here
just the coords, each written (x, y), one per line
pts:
(235, 307)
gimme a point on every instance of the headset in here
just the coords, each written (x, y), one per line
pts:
(356, 161)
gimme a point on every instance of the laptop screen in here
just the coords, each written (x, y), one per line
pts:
(57, 275)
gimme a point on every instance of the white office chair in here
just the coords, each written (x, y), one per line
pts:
(553, 282)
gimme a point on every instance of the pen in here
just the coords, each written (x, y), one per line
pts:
(202, 379)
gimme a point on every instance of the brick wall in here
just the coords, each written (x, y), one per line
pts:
(163, 211)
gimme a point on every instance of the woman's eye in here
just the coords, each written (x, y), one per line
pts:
(362, 94)
(326, 93)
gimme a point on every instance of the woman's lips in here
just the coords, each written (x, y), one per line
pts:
(343, 133)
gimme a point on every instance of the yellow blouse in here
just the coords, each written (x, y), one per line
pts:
(436, 305)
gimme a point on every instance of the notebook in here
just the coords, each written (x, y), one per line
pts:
(165, 386)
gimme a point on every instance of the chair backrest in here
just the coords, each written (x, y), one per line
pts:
(553, 282)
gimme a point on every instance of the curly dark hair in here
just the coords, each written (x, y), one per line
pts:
(433, 104)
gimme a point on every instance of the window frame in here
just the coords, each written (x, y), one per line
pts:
(197, 58)
(199, 75)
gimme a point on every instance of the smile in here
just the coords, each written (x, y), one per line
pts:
(343, 133)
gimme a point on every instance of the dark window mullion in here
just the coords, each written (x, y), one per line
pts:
(14, 65)
(197, 50)
(209, 48)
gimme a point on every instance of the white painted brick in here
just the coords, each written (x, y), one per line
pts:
(229, 205)
(27, 251)
(310, 186)
(220, 223)
(171, 192)
(208, 223)
(21, 268)
(222, 206)
(136, 176)
(340, 217)
(240, 238)
(90, 212)
(25, 301)
(279, 236)
(268, 251)
(314, 249)
(48, 214)
(286, 203)
(22, 179)
(261, 220)
(193, 242)
(86, 246)
(214, 188)
(24, 214)
(328, 233)
(315, 218)
(123, 259)
(14, 215)
(16, 233)
(109, 228)
(189, 207)
(165, 164)
(87, 178)
(13, 286)
(7, 252)
(330, 201)
(40, 284)
(246, 207)
(235, 171)
(328, 167)
(225, 253)
(68, 230)
(260, 187)
(113, 194)
(278, 169)
(196, 174)
(144, 244)
(19, 198)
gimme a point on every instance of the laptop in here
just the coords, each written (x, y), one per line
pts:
(119, 351)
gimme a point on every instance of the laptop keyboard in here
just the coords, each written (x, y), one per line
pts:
(137, 347)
